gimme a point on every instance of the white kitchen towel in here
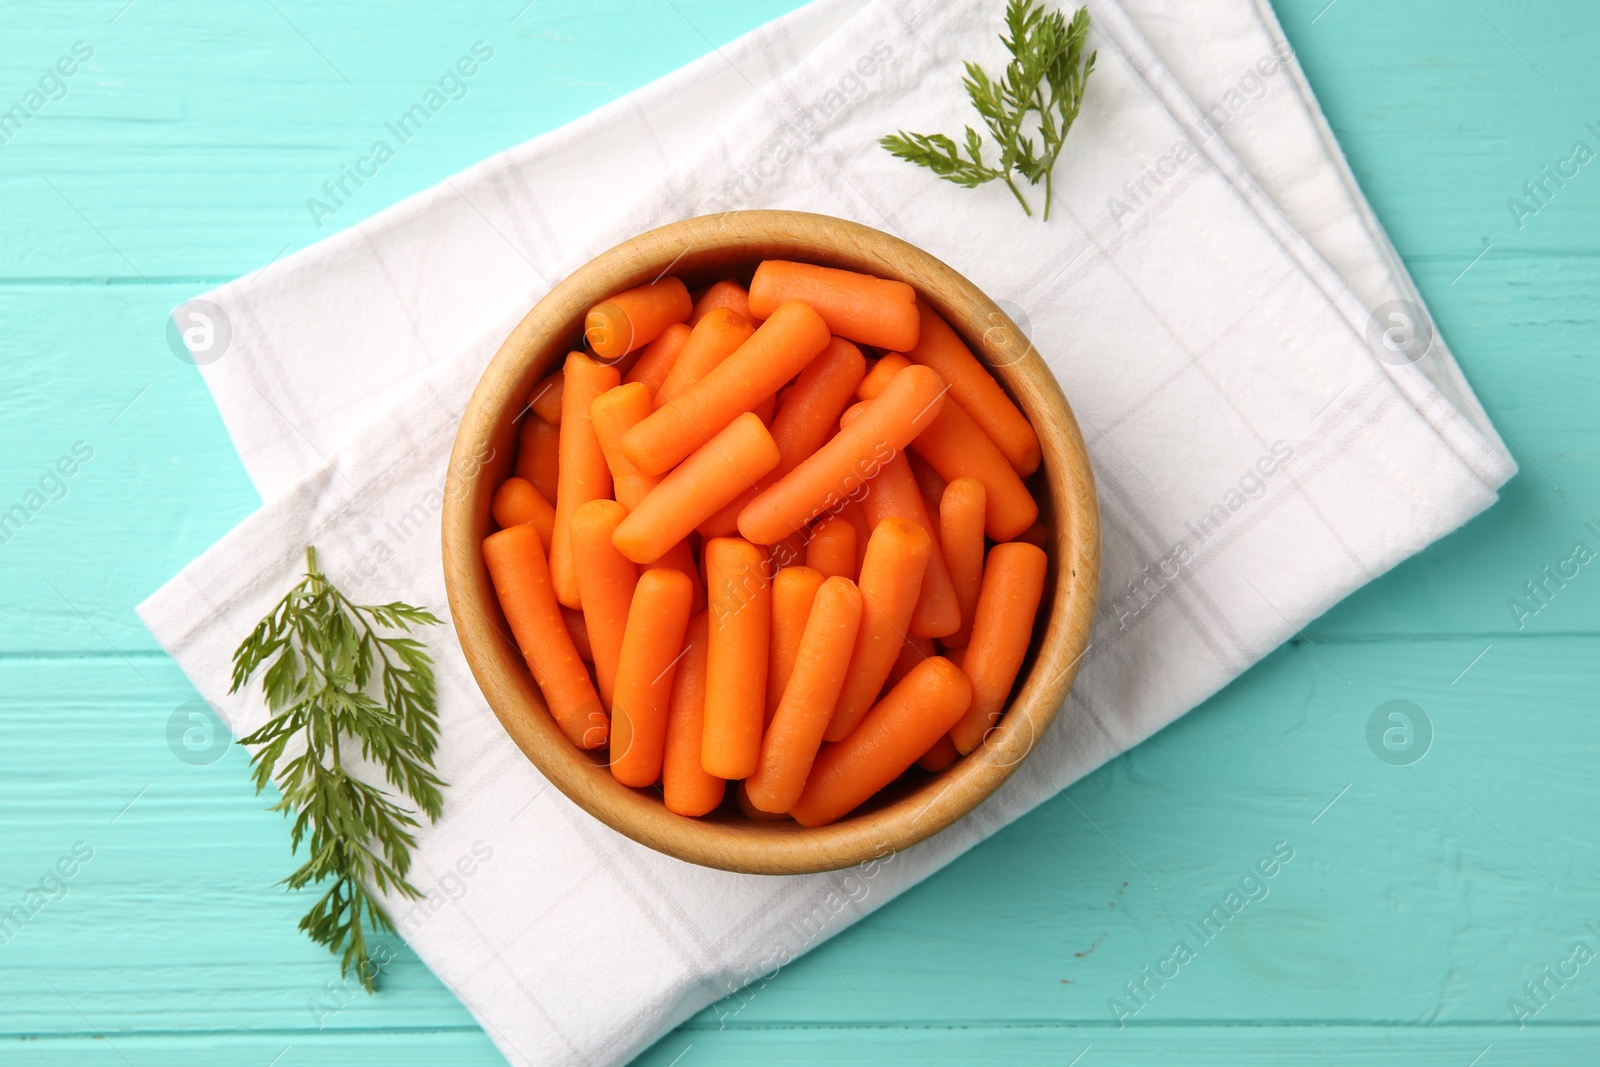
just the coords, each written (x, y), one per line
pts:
(1258, 457)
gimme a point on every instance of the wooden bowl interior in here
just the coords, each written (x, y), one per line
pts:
(700, 251)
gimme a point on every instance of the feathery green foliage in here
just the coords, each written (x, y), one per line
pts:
(325, 654)
(1045, 80)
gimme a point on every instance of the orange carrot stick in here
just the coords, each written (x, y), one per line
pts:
(930, 481)
(615, 412)
(606, 579)
(941, 755)
(584, 475)
(633, 319)
(852, 513)
(956, 447)
(976, 390)
(891, 575)
(811, 408)
(521, 577)
(723, 294)
(680, 557)
(1038, 534)
(776, 352)
(685, 785)
(879, 374)
(790, 552)
(538, 448)
(832, 547)
(740, 598)
(717, 337)
(806, 705)
(517, 502)
(578, 630)
(1002, 627)
(657, 359)
(913, 652)
(650, 649)
(893, 494)
(867, 310)
(765, 409)
(836, 472)
(719, 471)
(742, 793)
(546, 398)
(807, 418)
(793, 589)
(899, 729)
(961, 536)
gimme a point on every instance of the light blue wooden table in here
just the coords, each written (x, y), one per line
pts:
(1420, 898)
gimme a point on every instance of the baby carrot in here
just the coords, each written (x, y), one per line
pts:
(584, 475)
(579, 632)
(615, 412)
(879, 374)
(517, 502)
(742, 794)
(852, 513)
(538, 443)
(633, 319)
(793, 589)
(941, 755)
(723, 294)
(680, 557)
(811, 407)
(867, 310)
(795, 733)
(790, 552)
(807, 417)
(913, 652)
(836, 472)
(765, 409)
(545, 400)
(776, 352)
(832, 547)
(718, 471)
(1038, 534)
(891, 575)
(717, 337)
(657, 359)
(955, 446)
(1002, 627)
(899, 729)
(521, 577)
(740, 598)
(606, 578)
(976, 390)
(930, 481)
(650, 647)
(961, 536)
(893, 494)
(685, 785)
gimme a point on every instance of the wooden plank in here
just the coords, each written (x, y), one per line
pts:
(1403, 905)
(912, 1046)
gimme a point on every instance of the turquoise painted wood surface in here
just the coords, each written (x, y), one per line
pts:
(1420, 899)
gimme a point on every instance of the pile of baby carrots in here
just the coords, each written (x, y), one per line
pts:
(778, 537)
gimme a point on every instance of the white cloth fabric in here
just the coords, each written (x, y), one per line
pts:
(1259, 451)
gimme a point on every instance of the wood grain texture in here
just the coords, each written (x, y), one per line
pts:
(1415, 906)
(701, 250)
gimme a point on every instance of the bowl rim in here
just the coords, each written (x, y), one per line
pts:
(480, 458)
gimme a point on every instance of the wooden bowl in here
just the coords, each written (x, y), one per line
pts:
(700, 250)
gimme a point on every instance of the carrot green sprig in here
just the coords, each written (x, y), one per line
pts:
(1036, 99)
(325, 659)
